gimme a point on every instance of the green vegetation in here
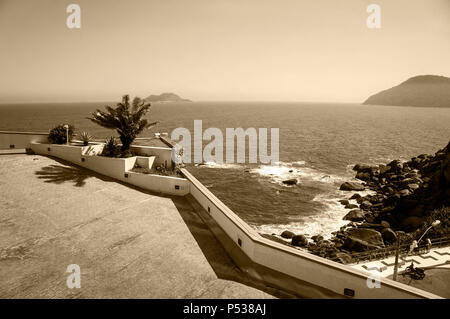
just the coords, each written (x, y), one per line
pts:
(127, 119)
(86, 138)
(111, 148)
(441, 230)
(58, 134)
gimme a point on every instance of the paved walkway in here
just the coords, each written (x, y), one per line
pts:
(127, 242)
(436, 264)
(437, 257)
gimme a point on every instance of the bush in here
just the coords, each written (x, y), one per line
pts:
(442, 230)
(111, 148)
(58, 134)
(85, 138)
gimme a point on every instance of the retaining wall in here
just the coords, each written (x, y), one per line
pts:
(118, 168)
(21, 140)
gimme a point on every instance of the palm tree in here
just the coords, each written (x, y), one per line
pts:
(127, 119)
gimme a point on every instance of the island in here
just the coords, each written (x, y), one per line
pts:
(422, 90)
(165, 98)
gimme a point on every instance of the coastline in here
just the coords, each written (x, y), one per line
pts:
(406, 196)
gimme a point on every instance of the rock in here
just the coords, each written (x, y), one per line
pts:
(355, 196)
(406, 181)
(411, 223)
(389, 236)
(362, 168)
(351, 206)
(370, 218)
(363, 176)
(351, 186)
(365, 204)
(404, 192)
(291, 181)
(361, 239)
(355, 215)
(317, 238)
(383, 169)
(413, 186)
(343, 258)
(299, 240)
(287, 234)
(385, 224)
(370, 225)
(344, 201)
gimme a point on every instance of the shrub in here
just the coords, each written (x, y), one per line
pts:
(86, 138)
(111, 148)
(442, 230)
(58, 134)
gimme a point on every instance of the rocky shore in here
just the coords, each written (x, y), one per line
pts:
(407, 197)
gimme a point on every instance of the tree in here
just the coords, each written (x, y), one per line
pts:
(127, 119)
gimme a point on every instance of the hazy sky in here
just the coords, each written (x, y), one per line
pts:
(291, 50)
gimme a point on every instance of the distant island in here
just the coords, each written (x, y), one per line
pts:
(165, 97)
(422, 90)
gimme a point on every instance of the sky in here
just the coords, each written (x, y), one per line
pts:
(218, 50)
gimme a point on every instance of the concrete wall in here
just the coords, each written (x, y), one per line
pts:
(118, 168)
(163, 184)
(21, 140)
(293, 265)
(163, 154)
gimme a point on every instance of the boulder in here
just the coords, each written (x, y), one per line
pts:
(343, 258)
(351, 186)
(365, 205)
(291, 181)
(362, 168)
(363, 176)
(351, 206)
(404, 192)
(317, 238)
(355, 215)
(413, 186)
(385, 224)
(344, 201)
(299, 240)
(383, 169)
(287, 234)
(389, 236)
(361, 239)
(355, 196)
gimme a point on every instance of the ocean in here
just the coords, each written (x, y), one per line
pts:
(319, 144)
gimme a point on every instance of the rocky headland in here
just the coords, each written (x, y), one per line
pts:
(406, 198)
(422, 90)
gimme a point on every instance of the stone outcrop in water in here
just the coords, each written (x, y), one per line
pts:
(165, 98)
(352, 186)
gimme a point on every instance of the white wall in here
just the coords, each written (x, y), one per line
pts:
(117, 168)
(163, 154)
(21, 140)
(157, 183)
